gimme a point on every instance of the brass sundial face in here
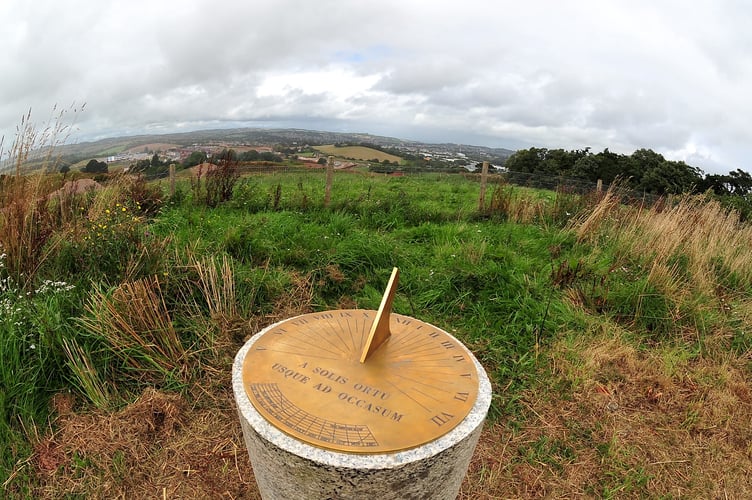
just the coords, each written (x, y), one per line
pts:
(361, 381)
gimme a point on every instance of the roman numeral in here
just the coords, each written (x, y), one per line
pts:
(442, 418)
(458, 358)
(462, 396)
(447, 345)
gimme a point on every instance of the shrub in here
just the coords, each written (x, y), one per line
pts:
(213, 184)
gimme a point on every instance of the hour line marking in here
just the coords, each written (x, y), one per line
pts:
(316, 333)
(427, 395)
(337, 349)
(408, 396)
(363, 335)
(432, 372)
(352, 335)
(337, 331)
(424, 384)
(416, 340)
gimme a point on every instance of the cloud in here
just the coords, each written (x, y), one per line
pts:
(623, 75)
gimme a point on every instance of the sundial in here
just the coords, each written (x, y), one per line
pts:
(361, 381)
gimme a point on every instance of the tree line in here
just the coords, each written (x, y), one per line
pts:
(644, 170)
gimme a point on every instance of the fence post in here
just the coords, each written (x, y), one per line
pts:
(483, 181)
(599, 186)
(172, 179)
(329, 178)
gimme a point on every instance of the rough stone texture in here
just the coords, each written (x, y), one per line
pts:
(287, 468)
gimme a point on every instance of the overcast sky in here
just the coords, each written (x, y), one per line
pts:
(674, 76)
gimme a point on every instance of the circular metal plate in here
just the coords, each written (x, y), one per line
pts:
(305, 377)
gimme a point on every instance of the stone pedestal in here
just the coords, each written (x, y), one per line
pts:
(287, 468)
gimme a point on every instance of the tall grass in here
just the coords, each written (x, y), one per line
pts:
(523, 205)
(85, 375)
(135, 323)
(25, 223)
(692, 241)
(217, 283)
(32, 327)
(684, 259)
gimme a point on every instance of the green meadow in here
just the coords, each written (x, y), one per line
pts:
(617, 336)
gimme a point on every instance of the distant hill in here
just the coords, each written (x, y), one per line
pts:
(72, 153)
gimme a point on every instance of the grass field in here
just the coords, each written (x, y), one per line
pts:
(358, 153)
(616, 337)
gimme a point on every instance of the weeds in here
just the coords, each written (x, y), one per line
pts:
(32, 324)
(25, 227)
(214, 184)
(133, 320)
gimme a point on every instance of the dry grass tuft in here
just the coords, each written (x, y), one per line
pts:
(87, 377)
(217, 283)
(693, 241)
(588, 224)
(162, 445)
(135, 321)
(514, 205)
(25, 225)
(694, 252)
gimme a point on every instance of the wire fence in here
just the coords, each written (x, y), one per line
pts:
(575, 185)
